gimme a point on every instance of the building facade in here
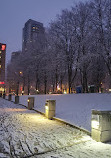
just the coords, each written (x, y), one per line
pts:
(15, 55)
(33, 35)
(2, 66)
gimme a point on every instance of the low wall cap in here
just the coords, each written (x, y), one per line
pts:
(98, 112)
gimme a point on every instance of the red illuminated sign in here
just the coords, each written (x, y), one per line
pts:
(3, 47)
(2, 82)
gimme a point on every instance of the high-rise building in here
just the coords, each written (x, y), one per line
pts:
(2, 61)
(33, 35)
(2, 65)
(15, 55)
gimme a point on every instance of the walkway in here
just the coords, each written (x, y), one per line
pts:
(25, 133)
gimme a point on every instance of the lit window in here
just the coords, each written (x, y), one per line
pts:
(0, 57)
(0, 66)
(0, 52)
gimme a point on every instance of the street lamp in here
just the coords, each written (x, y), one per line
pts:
(21, 72)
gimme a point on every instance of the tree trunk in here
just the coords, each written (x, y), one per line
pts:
(45, 84)
(69, 79)
(56, 76)
(28, 85)
(23, 85)
(37, 80)
(17, 90)
(85, 87)
(61, 84)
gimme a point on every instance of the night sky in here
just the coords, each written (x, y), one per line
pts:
(14, 14)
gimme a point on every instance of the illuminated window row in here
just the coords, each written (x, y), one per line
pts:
(34, 27)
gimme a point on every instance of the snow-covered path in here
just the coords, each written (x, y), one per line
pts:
(25, 133)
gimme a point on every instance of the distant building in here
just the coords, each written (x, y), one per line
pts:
(2, 65)
(15, 55)
(33, 35)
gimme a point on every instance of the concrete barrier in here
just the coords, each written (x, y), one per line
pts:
(4, 95)
(0, 94)
(101, 126)
(9, 97)
(17, 99)
(30, 103)
(50, 107)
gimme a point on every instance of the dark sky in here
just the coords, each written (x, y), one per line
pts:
(14, 14)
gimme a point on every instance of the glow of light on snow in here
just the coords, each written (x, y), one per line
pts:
(13, 110)
(95, 124)
(56, 94)
(33, 118)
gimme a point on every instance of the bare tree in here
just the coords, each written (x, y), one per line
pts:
(63, 31)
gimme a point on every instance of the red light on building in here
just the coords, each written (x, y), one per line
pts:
(3, 47)
(2, 82)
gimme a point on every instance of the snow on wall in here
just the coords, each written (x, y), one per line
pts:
(73, 108)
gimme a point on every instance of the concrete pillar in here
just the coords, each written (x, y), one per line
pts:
(17, 99)
(50, 108)
(101, 126)
(30, 103)
(4, 95)
(9, 97)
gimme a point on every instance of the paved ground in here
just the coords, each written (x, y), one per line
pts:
(25, 133)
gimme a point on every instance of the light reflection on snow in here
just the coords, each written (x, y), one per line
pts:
(33, 118)
(13, 110)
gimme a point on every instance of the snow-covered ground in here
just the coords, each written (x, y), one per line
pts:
(25, 133)
(73, 108)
